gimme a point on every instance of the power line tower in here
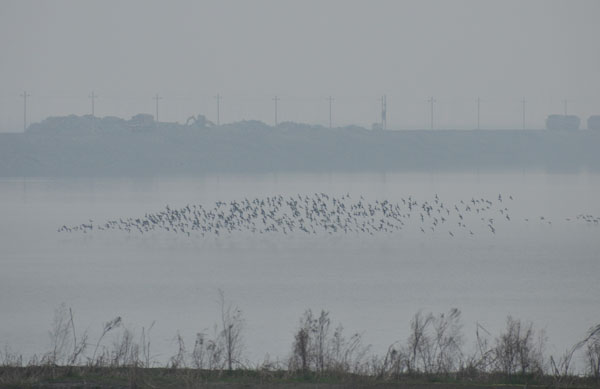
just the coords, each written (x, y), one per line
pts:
(478, 115)
(276, 99)
(565, 102)
(218, 97)
(157, 97)
(25, 95)
(93, 97)
(523, 102)
(431, 101)
(330, 102)
(383, 112)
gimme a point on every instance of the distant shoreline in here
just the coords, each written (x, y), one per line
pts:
(111, 147)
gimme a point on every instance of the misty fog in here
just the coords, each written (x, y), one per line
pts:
(303, 52)
(372, 160)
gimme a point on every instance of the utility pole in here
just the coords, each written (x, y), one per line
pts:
(330, 101)
(157, 97)
(25, 95)
(523, 102)
(478, 105)
(218, 97)
(276, 99)
(431, 101)
(383, 112)
(93, 97)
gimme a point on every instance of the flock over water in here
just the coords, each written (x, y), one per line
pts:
(320, 213)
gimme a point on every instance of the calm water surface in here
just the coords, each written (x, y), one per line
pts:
(542, 272)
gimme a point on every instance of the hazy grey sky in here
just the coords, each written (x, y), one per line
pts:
(302, 51)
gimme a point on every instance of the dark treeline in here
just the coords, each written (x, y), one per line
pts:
(435, 350)
(91, 146)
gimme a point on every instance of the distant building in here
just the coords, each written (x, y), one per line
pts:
(593, 122)
(563, 122)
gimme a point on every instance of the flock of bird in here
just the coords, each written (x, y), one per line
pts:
(321, 213)
(588, 218)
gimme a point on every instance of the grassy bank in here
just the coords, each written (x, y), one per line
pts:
(138, 377)
(434, 355)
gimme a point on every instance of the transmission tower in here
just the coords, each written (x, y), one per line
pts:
(93, 98)
(218, 97)
(157, 97)
(25, 95)
(478, 116)
(523, 102)
(330, 102)
(431, 101)
(276, 99)
(383, 112)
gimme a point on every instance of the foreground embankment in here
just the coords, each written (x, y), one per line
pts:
(53, 377)
(433, 356)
